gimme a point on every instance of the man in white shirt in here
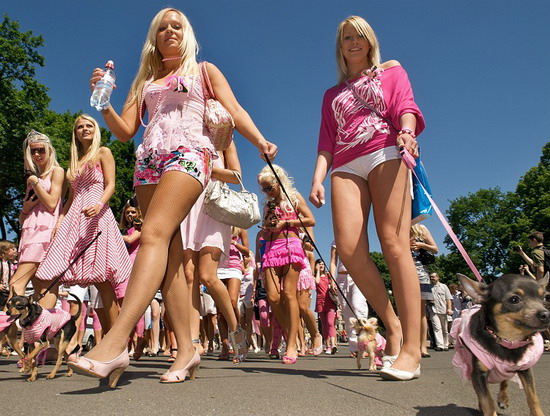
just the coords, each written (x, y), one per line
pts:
(441, 308)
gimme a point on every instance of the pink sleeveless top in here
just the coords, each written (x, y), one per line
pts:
(175, 118)
(235, 258)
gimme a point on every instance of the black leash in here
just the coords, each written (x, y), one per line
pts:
(309, 235)
(54, 281)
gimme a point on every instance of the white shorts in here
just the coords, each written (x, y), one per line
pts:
(77, 291)
(208, 307)
(224, 273)
(363, 165)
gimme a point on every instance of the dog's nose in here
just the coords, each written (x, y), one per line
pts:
(544, 316)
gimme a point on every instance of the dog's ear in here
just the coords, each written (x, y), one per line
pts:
(352, 321)
(373, 322)
(544, 281)
(479, 291)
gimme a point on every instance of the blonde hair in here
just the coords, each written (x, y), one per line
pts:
(123, 224)
(419, 232)
(151, 59)
(266, 175)
(5, 245)
(364, 29)
(37, 137)
(79, 159)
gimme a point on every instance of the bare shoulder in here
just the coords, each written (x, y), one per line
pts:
(59, 171)
(105, 152)
(390, 64)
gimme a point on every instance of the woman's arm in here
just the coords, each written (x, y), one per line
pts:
(244, 247)
(108, 167)
(305, 214)
(428, 244)
(49, 199)
(231, 162)
(243, 122)
(333, 260)
(317, 195)
(123, 126)
(131, 238)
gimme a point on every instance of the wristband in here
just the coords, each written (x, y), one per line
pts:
(406, 130)
(24, 213)
(101, 204)
(36, 183)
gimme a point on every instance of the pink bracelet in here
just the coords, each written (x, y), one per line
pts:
(101, 204)
(406, 130)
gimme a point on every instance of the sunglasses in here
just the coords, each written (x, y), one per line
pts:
(39, 150)
(268, 188)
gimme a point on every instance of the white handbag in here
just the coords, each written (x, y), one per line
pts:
(237, 208)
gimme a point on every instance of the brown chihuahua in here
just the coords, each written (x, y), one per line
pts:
(500, 338)
(41, 326)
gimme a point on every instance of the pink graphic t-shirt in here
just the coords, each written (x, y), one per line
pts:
(349, 129)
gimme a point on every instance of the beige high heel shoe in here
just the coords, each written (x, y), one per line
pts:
(179, 376)
(93, 368)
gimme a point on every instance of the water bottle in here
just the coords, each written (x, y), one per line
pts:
(103, 88)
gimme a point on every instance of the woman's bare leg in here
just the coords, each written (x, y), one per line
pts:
(304, 302)
(350, 193)
(110, 304)
(423, 328)
(292, 309)
(155, 326)
(190, 266)
(275, 298)
(389, 187)
(165, 206)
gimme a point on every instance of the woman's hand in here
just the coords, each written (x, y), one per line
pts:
(32, 180)
(317, 195)
(96, 76)
(267, 148)
(279, 226)
(92, 210)
(405, 140)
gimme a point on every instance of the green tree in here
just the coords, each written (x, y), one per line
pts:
(486, 222)
(24, 101)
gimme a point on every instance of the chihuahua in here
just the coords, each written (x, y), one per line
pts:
(369, 341)
(41, 326)
(500, 338)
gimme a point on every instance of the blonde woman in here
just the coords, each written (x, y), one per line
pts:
(41, 207)
(105, 263)
(362, 148)
(284, 256)
(174, 164)
(421, 239)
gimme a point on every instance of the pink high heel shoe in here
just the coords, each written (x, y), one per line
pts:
(179, 376)
(93, 368)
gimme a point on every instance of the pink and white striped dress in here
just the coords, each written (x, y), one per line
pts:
(107, 259)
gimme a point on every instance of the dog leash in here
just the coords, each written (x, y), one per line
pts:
(54, 281)
(309, 235)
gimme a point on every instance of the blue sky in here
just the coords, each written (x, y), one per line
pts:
(479, 70)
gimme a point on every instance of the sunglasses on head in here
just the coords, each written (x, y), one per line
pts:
(39, 150)
(268, 188)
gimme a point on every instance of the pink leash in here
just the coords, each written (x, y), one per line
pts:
(411, 163)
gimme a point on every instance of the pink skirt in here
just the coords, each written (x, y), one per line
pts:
(284, 251)
(306, 281)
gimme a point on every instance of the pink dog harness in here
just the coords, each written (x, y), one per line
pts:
(380, 347)
(499, 370)
(51, 320)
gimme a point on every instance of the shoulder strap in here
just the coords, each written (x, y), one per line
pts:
(207, 89)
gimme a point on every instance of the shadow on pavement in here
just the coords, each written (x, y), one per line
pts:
(448, 410)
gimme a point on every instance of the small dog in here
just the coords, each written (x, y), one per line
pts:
(368, 340)
(41, 326)
(500, 338)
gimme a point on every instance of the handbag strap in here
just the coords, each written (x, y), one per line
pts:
(238, 176)
(207, 89)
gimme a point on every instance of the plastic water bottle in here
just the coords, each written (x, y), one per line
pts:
(103, 88)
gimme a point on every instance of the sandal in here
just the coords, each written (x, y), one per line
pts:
(172, 355)
(240, 348)
(289, 360)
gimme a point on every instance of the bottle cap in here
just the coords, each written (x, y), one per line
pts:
(110, 64)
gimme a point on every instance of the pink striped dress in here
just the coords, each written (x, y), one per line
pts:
(107, 259)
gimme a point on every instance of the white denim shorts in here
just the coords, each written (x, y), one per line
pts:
(363, 165)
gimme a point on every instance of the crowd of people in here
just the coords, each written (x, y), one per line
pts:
(168, 277)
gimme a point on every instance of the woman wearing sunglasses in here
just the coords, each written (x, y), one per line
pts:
(284, 256)
(40, 212)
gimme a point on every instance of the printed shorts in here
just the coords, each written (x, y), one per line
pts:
(194, 162)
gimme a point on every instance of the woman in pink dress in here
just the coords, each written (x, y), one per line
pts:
(325, 306)
(173, 166)
(105, 263)
(206, 242)
(41, 207)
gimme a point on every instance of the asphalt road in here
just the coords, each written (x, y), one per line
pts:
(326, 385)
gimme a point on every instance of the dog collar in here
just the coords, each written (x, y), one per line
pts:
(506, 343)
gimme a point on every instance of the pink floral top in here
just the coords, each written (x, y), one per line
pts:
(350, 130)
(175, 117)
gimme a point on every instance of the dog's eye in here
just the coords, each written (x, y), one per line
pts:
(547, 298)
(514, 299)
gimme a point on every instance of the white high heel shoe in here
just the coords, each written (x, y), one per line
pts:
(390, 373)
